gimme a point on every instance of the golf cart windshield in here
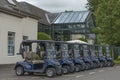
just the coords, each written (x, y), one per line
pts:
(92, 50)
(107, 51)
(64, 48)
(100, 51)
(51, 54)
(76, 51)
(85, 51)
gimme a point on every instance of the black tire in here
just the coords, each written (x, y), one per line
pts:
(82, 67)
(77, 68)
(95, 65)
(19, 70)
(108, 63)
(88, 66)
(59, 73)
(112, 63)
(50, 72)
(30, 73)
(102, 64)
(65, 69)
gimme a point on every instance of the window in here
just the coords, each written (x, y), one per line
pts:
(11, 43)
(25, 37)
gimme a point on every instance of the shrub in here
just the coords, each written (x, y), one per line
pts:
(44, 36)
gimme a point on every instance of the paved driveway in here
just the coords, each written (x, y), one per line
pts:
(108, 73)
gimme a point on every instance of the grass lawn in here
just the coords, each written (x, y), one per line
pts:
(117, 61)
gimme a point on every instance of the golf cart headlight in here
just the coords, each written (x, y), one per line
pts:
(28, 66)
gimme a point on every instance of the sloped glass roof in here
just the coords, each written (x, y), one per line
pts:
(71, 17)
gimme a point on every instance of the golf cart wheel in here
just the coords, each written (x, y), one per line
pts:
(109, 63)
(65, 69)
(30, 73)
(83, 67)
(88, 66)
(77, 67)
(95, 65)
(19, 71)
(102, 64)
(50, 72)
(112, 64)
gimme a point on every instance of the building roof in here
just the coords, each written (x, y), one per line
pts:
(71, 17)
(23, 9)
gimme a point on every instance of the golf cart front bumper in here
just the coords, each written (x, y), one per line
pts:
(72, 67)
(59, 69)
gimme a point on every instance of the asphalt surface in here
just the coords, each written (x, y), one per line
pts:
(108, 73)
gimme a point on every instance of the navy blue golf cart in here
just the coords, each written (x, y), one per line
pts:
(76, 57)
(101, 57)
(86, 56)
(110, 61)
(39, 57)
(94, 56)
(63, 57)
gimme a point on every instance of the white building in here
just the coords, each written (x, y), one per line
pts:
(15, 26)
(21, 20)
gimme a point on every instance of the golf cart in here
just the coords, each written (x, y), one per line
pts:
(101, 57)
(94, 56)
(86, 56)
(39, 57)
(110, 62)
(63, 57)
(75, 55)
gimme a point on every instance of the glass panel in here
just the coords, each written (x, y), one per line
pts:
(85, 51)
(76, 51)
(69, 18)
(100, 51)
(64, 18)
(84, 17)
(59, 18)
(11, 43)
(79, 17)
(74, 17)
(64, 51)
(92, 50)
(25, 37)
(107, 51)
(51, 54)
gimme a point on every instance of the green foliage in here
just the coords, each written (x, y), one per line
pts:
(43, 36)
(83, 39)
(117, 61)
(37, 57)
(118, 57)
(107, 13)
(92, 5)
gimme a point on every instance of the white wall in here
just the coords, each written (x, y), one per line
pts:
(21, 26)
(77, 36)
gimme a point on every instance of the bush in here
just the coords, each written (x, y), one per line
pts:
(44, 36)
(37, 57)
(117, 61)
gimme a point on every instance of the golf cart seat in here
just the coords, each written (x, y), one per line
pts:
(34, 61)
(30, 57)
(38, 61)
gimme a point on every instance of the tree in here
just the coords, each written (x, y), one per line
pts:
(43, 36)
(92, 5)
(108, 22)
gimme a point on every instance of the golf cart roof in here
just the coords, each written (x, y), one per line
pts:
(60, 42)
(77, 42)
(35, 41)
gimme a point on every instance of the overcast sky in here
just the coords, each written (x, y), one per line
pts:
(59, 5)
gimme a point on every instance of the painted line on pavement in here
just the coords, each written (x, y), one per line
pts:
(92, 73)
(101, 70)
(79, 76)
